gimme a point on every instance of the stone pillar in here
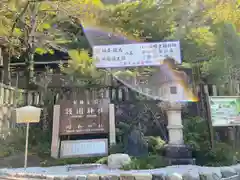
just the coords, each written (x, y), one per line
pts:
(112, 128)
(176, 152)
(55, 146)
(175, 127)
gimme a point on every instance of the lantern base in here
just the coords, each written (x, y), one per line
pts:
(178, 154)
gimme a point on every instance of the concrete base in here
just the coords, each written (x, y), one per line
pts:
(178, 154)
(185, 161)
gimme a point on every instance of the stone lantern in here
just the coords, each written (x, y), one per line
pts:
(173, 93)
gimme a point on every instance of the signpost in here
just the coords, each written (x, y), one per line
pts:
(134, 55)
(27, 115)
(225, 110)
(83, 117)
(87, 113)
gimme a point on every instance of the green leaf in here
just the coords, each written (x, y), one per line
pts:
(51, 51)
(46, 26)
(74, 54)
(40, 51)
(17, 32)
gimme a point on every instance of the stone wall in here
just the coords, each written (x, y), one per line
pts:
(181, 172)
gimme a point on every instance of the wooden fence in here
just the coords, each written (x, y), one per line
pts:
(11, 98)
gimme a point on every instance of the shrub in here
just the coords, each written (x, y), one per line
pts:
(155, 144)
(61, 162)
(39, 142)
(102, 160)
(16, 139)
(197, 135)
(149, 162)
(117, 148)
(5, 151)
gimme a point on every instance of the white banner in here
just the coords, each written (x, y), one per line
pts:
(133, 55)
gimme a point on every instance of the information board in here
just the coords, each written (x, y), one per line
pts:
(84, 148)
(225, 110)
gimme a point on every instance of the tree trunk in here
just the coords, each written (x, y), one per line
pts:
(45, 113)
(6, 68)
(45, 119)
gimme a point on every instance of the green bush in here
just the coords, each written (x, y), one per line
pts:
(13, 143)
(102, 160)
(16, 139)
(61, 162)
(155, 144)
(39, 142)
(149, 162)
(117, 148)
(5, 151)
(221, 155)
(197, 135)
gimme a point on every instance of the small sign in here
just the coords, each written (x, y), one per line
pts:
(28, 114)
(84, 148)
(132, 55)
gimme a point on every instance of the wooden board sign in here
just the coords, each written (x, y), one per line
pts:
(83, 117)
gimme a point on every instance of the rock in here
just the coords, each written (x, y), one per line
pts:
(57, 178)
(63, 178)
(210, 173)
(137, 145)
(209, 176)
(236, 168)
(81, 177)
(228, 172)
(50, 178)
(158, 177)
(143, 177)
(127, 177)
(109, 177)
(189, 176)
(174, 176)
(116, 161)
(93, 177)
(69, 178)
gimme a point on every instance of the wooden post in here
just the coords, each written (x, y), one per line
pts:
(112, 128)
(26, 146)
(214, 87)
(210, 127)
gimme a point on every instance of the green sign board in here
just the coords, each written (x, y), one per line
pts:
(225, 110)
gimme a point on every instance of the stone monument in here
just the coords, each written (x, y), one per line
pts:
(173, 94)
(137, 145)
